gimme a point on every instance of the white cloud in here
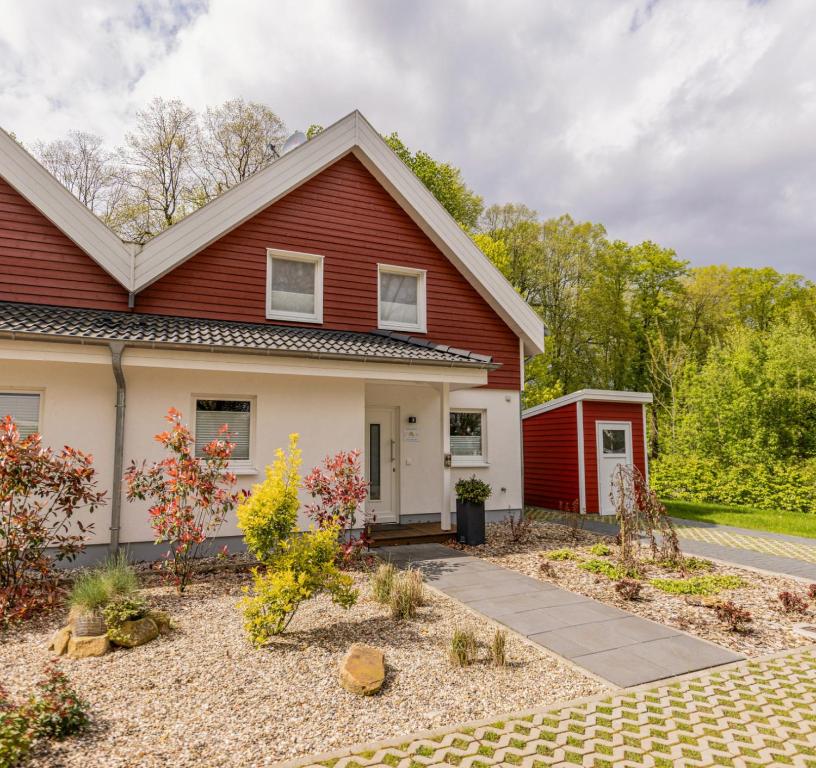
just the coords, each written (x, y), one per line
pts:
(690, 122)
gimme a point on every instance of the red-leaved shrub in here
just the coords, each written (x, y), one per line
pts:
(40, 491)
(628, 589)
(191, 495)
(792, 603)
(735, 618)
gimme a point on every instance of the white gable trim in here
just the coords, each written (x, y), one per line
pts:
(603, 395)
(66, 212)
(351, 134)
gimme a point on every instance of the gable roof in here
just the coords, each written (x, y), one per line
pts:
(136, 269)
(22, 171)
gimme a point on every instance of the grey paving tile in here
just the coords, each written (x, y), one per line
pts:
(545, 598)
(576, 641)
(682, 653)
(532, 623)
(622, 668)
(504, 588)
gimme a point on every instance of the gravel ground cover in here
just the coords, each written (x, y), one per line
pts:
(771, 629)
(203, 696)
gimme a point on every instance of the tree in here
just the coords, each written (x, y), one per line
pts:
(443, 180)
(160, 155)
(518, 228)
(237, 139)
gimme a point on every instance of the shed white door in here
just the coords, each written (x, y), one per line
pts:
(614, 441)
(381, 451)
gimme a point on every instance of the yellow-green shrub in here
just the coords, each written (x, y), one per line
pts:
(302, 567)
(269, 515)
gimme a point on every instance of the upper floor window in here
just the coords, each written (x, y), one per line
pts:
(212, 414)
(24, 409)
(401, 298)
(294, 286)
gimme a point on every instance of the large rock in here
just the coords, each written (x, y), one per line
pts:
(162, 621)
(59, 642)
(80, 647)
(362, 670)
(129, 634)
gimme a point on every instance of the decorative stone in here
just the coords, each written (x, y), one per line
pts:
(132, 633)
(59, 642)
(162, 621)
(362, 670)
(80, 647)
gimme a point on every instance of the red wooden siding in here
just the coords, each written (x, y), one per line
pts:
(344, 214)
(41, 265)
(551, 458)
(595, 411)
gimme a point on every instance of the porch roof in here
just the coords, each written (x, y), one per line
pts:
(52, 323)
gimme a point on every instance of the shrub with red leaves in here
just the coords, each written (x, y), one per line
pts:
(628, 589)
(40, 492)
(812, 591)
(735, 618)
(191, 495)
(793, 603)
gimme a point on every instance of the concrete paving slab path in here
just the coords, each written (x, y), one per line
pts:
(613, 644)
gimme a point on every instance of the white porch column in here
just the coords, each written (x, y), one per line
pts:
(444, 409)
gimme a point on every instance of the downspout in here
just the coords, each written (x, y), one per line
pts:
(117, 348)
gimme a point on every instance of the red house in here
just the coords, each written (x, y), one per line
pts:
(573, 444)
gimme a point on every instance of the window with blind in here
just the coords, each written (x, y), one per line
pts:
(294, 283)
(467, 437)
(211, 415)
(24, 409)
(401, 298)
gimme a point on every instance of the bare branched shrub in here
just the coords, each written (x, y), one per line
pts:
(641, 515)
(518, 528)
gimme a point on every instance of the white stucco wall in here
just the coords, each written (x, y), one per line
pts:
(503, 470)
(76, 409)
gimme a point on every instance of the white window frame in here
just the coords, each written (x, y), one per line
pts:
(236, 466)
(28, 391)
(300, 317)
(471, 461)
(421, 326)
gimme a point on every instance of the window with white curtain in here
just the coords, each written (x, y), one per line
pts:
(294, 286)
(467, 437)
(211, 415)
(24, 408)
(401, 298)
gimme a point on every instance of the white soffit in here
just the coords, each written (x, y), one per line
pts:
(601, 395)
(66, 212)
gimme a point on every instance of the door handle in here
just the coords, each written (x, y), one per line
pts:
(392, 450)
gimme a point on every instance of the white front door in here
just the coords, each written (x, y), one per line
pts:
(382, 464)
(614, 440)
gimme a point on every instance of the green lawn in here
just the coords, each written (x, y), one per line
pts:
(793, 523)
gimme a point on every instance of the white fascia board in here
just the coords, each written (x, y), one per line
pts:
(353, 133)
(63, 210)
(446, 234)
(196, 231)
(603, 395)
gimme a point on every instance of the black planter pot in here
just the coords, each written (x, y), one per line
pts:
(470, 523)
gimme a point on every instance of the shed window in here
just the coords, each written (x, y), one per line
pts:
(467, 437)
(614, 442)
(401, 298)
(211, 415)
(294, 286)
(24, 409)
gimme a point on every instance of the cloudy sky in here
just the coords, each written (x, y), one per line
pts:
(687, 122)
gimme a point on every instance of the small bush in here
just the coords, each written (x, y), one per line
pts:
(57, 709)
(382, 583)
(735, 618)
(545, 569)
(600, 550)
(562, 554)
(462, 651)
(628, 589)
(113, 580)
(498, 648)
(519, 528)
(792, 603)
(124, 609)
(698, 585)
(407, 594)
(610, 570)
(16, 732)
(473, 490)
(812, 591)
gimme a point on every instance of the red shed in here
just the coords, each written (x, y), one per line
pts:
(572, 445)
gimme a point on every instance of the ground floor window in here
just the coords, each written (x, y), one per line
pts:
(467, 437)
(24, 408)
(212, 414)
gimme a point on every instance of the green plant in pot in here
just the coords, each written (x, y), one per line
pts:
(471, 495)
